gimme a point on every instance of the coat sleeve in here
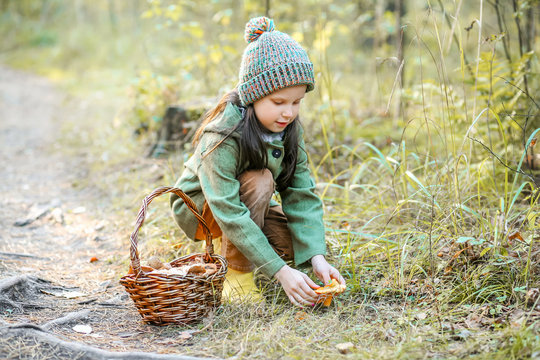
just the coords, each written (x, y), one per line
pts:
(304, 211)
(218, 177)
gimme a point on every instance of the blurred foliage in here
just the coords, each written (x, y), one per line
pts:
(151, 94)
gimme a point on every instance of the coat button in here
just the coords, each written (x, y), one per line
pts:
(276, 153)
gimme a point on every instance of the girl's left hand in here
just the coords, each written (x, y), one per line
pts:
(324, 271)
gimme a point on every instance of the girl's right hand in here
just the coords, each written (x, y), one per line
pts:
(297, 285)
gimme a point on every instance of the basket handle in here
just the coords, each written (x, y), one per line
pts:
(134, 253)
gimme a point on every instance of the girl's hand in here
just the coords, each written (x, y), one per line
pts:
(297, 285)
(324, 271)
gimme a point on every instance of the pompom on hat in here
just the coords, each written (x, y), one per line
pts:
(271, 61)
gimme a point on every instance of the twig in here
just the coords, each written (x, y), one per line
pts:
(521, 45)
(111, 305)
(398, 74)
(519, 171)
(88, 301)
(502, 30)
(21, 255)
(520, 89)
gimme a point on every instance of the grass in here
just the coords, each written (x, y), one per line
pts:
(435, 232)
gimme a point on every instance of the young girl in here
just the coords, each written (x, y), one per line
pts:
(249, 146)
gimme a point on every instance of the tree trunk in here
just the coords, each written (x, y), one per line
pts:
(399, 11)
(5, 4)
(267, 11)
(521, 36)
(378, 36)
(79, 11)
(135, 8)
(502, 29)
(531, 27)
(177, 128)
(112, 16)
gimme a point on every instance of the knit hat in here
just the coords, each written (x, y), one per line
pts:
(272, 61)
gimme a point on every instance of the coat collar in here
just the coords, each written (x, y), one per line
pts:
(226, 121)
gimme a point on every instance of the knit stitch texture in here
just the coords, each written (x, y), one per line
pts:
(271, 61)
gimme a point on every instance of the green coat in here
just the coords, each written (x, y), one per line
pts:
(214, 178)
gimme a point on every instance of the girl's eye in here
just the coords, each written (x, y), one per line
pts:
(278, 102)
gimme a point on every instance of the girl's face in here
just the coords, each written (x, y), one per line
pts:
(280, 108)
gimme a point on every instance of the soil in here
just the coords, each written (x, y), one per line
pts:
(55, 242)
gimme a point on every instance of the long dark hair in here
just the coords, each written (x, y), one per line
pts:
(252, 146)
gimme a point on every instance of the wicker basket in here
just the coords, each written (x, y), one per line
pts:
(174, 299)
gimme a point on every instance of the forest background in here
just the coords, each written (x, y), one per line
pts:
(421, 133)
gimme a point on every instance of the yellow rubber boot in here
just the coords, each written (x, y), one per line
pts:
(239, 285)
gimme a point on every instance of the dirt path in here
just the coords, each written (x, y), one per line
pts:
(49, 232)
(36, 178)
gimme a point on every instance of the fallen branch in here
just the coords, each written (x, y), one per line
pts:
(72, 316)
(36, 212)
(5, 284)
(25, 326)
(79, 349)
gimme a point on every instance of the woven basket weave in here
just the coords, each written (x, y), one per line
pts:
(174, 299)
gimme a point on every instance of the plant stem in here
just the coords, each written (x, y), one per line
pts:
(521, 45)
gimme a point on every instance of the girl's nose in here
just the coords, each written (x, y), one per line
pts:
(287, 114)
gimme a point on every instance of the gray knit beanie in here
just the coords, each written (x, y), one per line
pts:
(271, 61)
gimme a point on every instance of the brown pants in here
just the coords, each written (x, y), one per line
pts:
(256, 190)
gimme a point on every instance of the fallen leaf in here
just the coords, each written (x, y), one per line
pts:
(93, 259)
(421, 316)
(459, 252)
(166, 341)
(345, 348)
(184, 335)
(83, 329)
(474, 321)
(516, 235)
(518, 318)
(300, 315)
(532, 296)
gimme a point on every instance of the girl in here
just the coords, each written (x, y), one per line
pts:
(249, 146)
